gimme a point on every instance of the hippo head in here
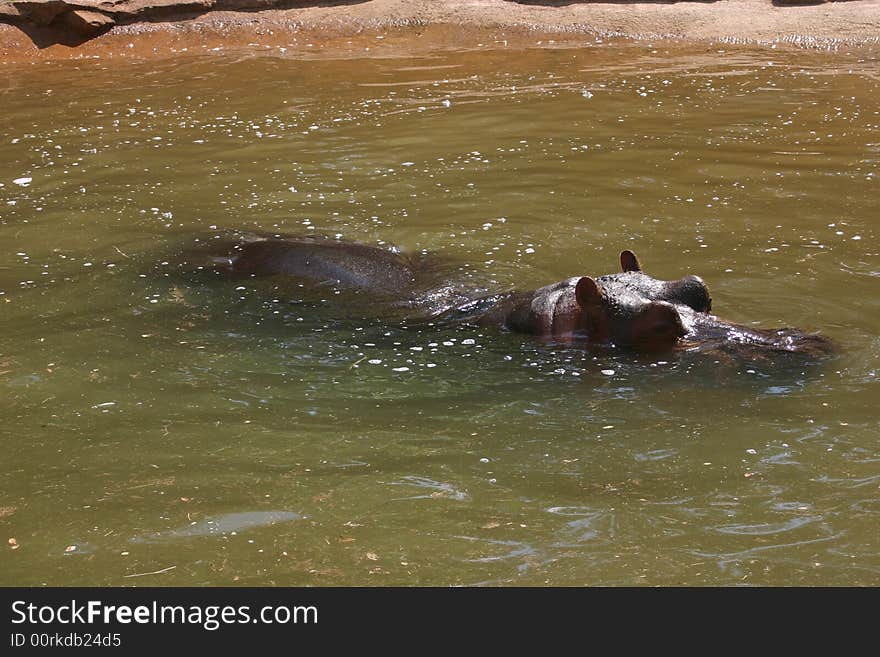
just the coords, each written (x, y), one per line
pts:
(629, 309)
(623, 318)
(584, 309)
(690, 290)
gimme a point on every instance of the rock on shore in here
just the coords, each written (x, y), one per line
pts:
(89, 18)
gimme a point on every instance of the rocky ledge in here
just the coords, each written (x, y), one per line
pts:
(74, 22)
(89, 18)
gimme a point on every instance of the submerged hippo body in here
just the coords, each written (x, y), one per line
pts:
(347, 265)
(629, 309)
(382, 282)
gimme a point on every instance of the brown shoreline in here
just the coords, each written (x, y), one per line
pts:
(414, 26)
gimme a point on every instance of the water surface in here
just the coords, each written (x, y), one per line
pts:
(219, 433)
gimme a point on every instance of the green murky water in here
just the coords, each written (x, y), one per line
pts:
(213, 433)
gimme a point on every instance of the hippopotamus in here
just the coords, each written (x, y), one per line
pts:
(628, 310)
(635, 311)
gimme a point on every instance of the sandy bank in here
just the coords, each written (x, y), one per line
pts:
(168, 27)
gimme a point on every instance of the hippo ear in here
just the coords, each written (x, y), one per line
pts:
(629, 262)
(587, 292)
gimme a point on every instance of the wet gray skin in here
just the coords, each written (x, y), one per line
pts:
(319, 260)
(690, 290)
(368, 281)
(711, 335)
